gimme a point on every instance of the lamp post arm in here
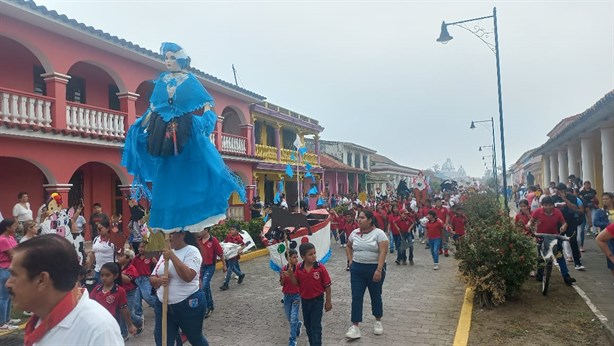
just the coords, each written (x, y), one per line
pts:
(468, 20)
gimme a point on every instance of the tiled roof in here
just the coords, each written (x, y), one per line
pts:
(329, 162)
(53, 15)
(562, 125)
(577, 119)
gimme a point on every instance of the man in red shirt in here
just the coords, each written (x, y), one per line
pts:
(232, 264)
(404, 225)
(210, 250)
(550, 220)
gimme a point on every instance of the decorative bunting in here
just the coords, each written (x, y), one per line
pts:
(280, 186)
(307, 166)
(320, 201)
(308, 174)
(297, 142)
(313, 191)
(313, 179)
(292, 156)
(302, 150)
(289, 171)
(277, 198)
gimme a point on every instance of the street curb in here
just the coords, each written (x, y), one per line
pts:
(461, 337)
(601, 317)
(246, 257)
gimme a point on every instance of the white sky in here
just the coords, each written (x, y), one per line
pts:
(372, 73)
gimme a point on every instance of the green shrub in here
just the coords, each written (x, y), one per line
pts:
(495, 256)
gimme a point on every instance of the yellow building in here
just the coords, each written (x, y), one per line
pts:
(275, 131)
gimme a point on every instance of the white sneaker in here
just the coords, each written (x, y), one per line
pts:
(8, 327)
(377, 328)
(580, 267)
(436, 266)
(14, 321)
(353, 332)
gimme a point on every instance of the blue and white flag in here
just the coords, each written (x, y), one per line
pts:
(302, 150)
(289, 171)
(313, 191)
(308, 166)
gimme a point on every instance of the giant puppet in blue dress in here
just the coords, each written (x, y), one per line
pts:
(169, 146)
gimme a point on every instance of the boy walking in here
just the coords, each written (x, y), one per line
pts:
(434, 229)
(233, 263)
(313, 281)
(292, 298)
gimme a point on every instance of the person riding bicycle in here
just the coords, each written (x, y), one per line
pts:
(550, 220)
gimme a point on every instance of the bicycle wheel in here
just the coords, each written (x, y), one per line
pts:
(546, 281)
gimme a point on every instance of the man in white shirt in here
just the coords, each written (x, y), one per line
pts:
(43, 280)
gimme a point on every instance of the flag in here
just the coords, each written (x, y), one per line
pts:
(313, 191)
(289, 171)
(266, 218)
(302, 150)
(277, 198)
(297, 142)
(320, 201)
(280, 186)
(292, 157)
(308, 166)
(313, 179)
(308, 174)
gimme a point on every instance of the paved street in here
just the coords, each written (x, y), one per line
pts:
(421, 307)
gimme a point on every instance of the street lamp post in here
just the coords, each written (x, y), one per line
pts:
(445, 37)
(494, 150)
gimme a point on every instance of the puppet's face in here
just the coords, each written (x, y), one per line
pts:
(170, 60)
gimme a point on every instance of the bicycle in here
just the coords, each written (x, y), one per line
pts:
(548, 254)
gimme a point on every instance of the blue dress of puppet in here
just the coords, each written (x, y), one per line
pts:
(169, 147)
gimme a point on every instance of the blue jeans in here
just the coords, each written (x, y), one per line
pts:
(291, 306)
(391, 240)
(435, 244)
(420, 231)
(206, 274)
(233, 266)
(342, 237)
(187, 315)
(361, 279)
(312, 317)
(143, 292)
(5, 298)
(137, 320)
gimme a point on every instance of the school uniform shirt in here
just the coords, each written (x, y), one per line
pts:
(391, 220)
(458, 224)
(130, 271)
(349, 227)
(523, 219)
(434, 229)
(179, 290)
(381, 220)
(143, 266)
(550, 224)
(338, 223)
(312, 284)
(287, 286)
(235, 240)
(404, 225)
(210, 249)
(442, 213)
(114, 300)
(365, 246)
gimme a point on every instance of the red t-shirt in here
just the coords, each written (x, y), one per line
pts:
(610, 229)
(235, 240)
(210, 249)
(381, 220)
(338, 223)
(313, 283)
(548, 223)
(287, 286)
(458, 223)
(349, 227)
(132, 273)
(434, 229)
(523, 219)
(404, 225)
(143, 266)
(442, 213)
(113, 301)
(423, 212)
(391, 220)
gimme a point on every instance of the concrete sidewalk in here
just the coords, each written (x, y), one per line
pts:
(597, 281)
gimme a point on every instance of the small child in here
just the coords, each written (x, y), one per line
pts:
(313, 281)
(292, 298)
(232, 264)
(112, 296)
(434, 229)
(458, 220)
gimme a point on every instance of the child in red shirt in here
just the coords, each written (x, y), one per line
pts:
(313, 281)
(144, 265)
(128, 274)
(112, 296)
(232, 264)
(292, 298)
(523, 217)
(349, 227)
(335, 223)
(434, 229)
(458, 220)
(210, 250)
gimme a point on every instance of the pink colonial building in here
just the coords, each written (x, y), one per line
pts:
(68, 94)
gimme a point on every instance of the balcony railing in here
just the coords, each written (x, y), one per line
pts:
(21, 108)
(266, 152)
(90, 120)
(269, 154)
(233, 144)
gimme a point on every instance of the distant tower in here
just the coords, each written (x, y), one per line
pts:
(448, 167)
(461, 172)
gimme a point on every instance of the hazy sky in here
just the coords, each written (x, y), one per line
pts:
(372, 73)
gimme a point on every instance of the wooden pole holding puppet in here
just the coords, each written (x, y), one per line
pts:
(169, 148)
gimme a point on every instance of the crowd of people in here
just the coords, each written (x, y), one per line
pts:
(119, 277)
